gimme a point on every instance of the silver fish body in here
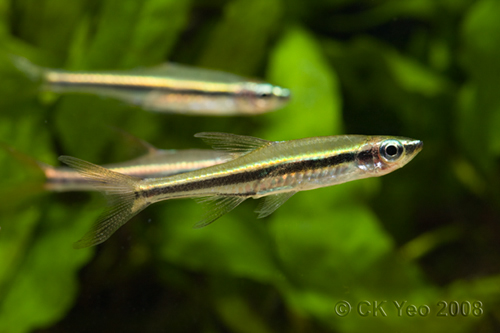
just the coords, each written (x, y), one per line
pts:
(168, 88)
(285, 166)
(157, 163)
(274, 170)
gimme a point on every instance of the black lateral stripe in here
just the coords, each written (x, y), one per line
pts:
(365, 156)
(248, 176)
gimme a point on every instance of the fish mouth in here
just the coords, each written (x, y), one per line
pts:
(282, 93)
(414, 146)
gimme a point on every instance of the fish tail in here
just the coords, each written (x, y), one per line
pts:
(25, 159)
(122, 192)
(17, 194)
(32, 71)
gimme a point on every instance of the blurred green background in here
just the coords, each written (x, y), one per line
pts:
(426, 234)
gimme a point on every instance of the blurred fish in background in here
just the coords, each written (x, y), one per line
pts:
(156, 163)
(167, 88)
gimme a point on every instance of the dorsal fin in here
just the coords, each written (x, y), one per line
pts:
(232, 142)
(144, 146)
(185, 72)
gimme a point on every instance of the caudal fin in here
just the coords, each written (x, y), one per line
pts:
(121, 192)
(24, 159)
(31, 70)
(19, 193)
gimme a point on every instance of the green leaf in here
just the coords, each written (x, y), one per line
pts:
(157, 28)
(42, 281)
(333, 235)
(481, 51)
(233, 245)
(112, 40)
(413, 76)
(242, 52)
(297, 63)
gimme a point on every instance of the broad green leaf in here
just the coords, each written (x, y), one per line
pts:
(242, 52)
(75, 117)
(388, 90)
(353, 261)
(42, 21)
(111, 42)
(297, 63)
(157, 28)
(4, 12)
(333, 235)
(483, 293)
(232, 245)
(16, 234)
(43, 285)
(480, 54)
(414, 76)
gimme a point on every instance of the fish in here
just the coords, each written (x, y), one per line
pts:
(273, 170)
(162, 163)
(155, 163)
(169, 87)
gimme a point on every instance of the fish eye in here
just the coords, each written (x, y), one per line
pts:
(391, 150)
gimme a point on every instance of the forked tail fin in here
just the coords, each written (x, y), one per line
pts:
(26, 160)
(124, 200)
(34, 72)
(16, 194)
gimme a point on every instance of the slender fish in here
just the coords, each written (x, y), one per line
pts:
(161, 163)
(156, 163)
(167, 88)
(274, 170)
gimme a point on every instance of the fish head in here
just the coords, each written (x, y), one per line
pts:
(262, 97)
(381, 155)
